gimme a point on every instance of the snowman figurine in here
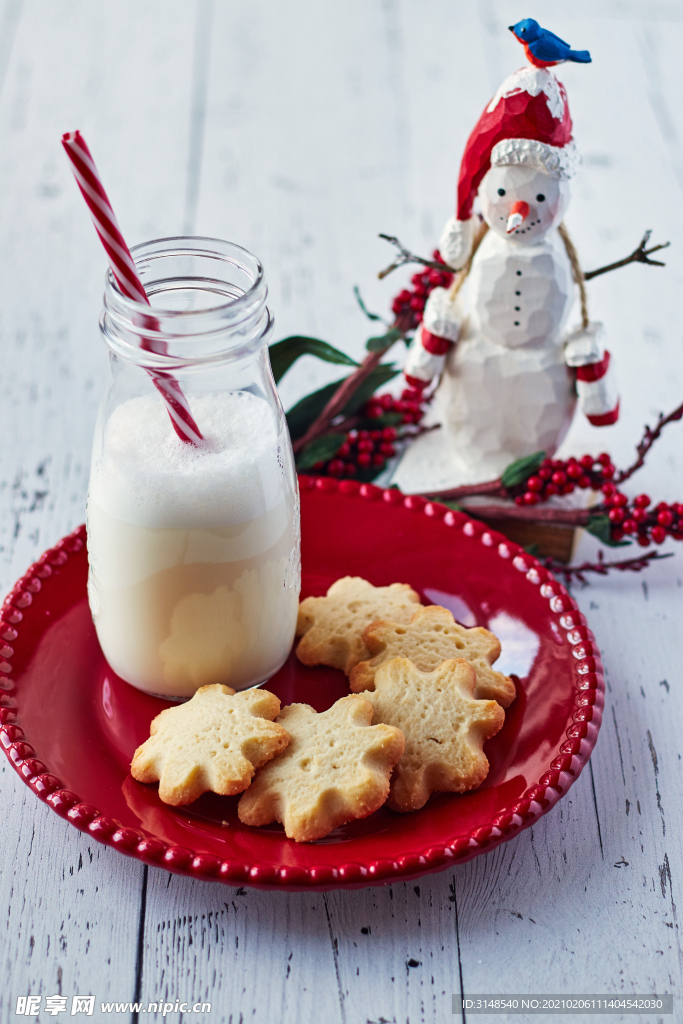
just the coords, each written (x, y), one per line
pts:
(509, 376)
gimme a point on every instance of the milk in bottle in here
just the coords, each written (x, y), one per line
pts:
(194, 550)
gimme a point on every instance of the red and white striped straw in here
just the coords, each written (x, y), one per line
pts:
(125, 272)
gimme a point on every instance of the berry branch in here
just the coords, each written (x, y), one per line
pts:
(601, 567)
(639, 255)
(648, 439)
(339, 399)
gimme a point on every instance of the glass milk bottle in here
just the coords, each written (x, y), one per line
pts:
(193, 548)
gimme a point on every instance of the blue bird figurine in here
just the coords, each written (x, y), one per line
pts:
(543, 48)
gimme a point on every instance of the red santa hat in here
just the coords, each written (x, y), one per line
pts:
(527, 122)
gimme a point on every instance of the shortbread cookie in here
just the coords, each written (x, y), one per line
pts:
(335, 769)
(444, 727)
(433, 636)
(214, 742)
(332, 626)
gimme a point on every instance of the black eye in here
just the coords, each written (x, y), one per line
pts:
(501, 191)
(540, 198)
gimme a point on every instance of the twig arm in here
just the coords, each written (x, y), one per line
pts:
(640, 255)
(406, 256)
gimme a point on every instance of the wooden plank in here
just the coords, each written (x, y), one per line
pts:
(119, 72)
(259, 956)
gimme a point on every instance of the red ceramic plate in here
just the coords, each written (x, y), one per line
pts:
(69, 726)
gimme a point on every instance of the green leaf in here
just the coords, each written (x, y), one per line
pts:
(301, 415)
(601, 527)
(285, 353)
(520, 470)
(384, 341)
(369, 315)
(321, 449)
(388, 419)
(377, 378)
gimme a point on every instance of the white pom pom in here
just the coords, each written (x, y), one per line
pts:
(456, 241)
(443, 315)
(420, 363)
(585, 346)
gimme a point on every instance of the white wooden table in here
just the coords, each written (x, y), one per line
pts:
(301, 130)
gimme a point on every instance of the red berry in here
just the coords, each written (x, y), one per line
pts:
(552, 489)
(604, 459)
(335, 467)
(534, 483)
(349, 469)
(344, 450)
(616, 515)
(617, 533)
(417, 304)
(608, 471)
(618, 500)
(587, 461)
(318, 465)
(416, 278)
(658, 534)
(584, 482)
(387, 448)
(519, 500)
(386, 401)
(546, 462)
(608, 490)
(629, 526)
(567, 488)
(642, 501)
(574, 471)
(545, 472)
(661, 507)
(364, 459)
(639, 514)
(366, 446)
(376, 435)
(559, 477)
(643, 540)
(389, 434)
(665, 517)
(530, 498)
(435, 277)
(373, 410)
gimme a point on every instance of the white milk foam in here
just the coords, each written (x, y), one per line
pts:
(194, 554)
(148, 476)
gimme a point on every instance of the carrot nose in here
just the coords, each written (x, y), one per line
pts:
(518, 214)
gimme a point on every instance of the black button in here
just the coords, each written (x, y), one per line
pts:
(518, 293)
(519, 273)
(517, 309)
(516, 323)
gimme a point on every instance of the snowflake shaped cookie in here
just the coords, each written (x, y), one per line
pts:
(431, 637)
(335, 769)
(215, 741)
(444, 728)
(332, 627)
